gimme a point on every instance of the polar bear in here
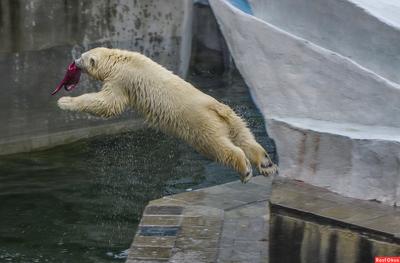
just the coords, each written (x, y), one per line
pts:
(170, 104)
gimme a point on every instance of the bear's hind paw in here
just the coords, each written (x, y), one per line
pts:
(244, 178)
(268, 170)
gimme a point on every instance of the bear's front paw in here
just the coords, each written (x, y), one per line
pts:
(66, 103)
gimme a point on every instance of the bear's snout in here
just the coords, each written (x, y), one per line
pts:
(78, 63)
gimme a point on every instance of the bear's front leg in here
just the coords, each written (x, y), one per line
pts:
(67, 103)
(90, 103)
(106, 103)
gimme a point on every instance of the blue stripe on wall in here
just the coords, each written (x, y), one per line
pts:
(242, 5)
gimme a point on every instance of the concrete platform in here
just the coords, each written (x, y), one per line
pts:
(311, 201)
(310, 224)
(231, 222)
(225, 223)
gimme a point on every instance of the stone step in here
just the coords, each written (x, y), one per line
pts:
(354, 160)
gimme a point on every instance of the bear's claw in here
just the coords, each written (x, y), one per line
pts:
(244, 178)
(269, 170)
(267, 167)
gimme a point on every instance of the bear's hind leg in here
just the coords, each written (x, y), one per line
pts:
(240, 136)
(231, 155)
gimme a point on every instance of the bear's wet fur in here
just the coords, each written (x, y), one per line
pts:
(170, 104)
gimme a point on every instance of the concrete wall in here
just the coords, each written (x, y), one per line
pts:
(311, 224)
(296, 240)
(210, 53)
(40, 37)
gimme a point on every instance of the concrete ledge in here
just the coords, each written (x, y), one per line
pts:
(308, 202)
(41, 142)
(323, 227)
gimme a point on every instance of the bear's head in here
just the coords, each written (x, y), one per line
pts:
(97, 63)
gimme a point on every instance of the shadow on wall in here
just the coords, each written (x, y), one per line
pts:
(39, 38)
(210, 54)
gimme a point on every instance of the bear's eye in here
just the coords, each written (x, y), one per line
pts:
(92, 62)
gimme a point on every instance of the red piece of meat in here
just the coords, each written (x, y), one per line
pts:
(70, 79)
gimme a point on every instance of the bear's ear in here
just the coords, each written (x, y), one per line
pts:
(92, 62)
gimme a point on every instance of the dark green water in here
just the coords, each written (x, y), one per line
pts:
(82, 202)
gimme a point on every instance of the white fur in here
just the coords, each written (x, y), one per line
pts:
(170, 104)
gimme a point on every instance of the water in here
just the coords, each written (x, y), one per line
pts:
(82, 202)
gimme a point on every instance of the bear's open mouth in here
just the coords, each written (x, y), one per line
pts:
(70, 80)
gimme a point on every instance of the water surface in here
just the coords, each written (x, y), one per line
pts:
(82, 202)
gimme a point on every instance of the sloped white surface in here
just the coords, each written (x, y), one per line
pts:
(366, 31)
(292, 77)
(335, 121)
(386, 10)
(349, 130)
